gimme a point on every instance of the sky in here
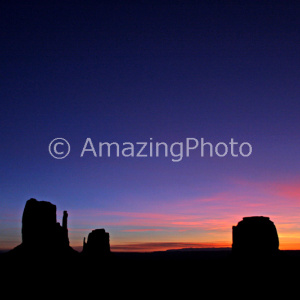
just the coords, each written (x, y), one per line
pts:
(151, 72)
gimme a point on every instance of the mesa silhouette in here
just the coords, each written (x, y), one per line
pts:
(255, 237)
(46, 240)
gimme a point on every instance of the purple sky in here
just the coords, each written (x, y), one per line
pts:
(166, 70)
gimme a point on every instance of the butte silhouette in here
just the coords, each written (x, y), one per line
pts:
(43, 236)
(255, 237)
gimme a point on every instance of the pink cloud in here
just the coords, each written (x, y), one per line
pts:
(141, 230)
(289, 191)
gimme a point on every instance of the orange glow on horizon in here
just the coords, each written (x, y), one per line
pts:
(157, 246)
(163, 246)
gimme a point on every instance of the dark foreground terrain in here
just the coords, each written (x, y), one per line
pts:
(169, 270)
(46, 266)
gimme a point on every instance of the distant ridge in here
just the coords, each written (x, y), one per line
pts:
(199, 249)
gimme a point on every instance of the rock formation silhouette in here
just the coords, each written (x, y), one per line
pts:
(97, 243)
(41, 233)
(255, 237)
(40, 227)
(44, 237)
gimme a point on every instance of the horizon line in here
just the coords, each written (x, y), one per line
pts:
(140, 248)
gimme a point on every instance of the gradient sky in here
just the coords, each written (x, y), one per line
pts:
(128, 71)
